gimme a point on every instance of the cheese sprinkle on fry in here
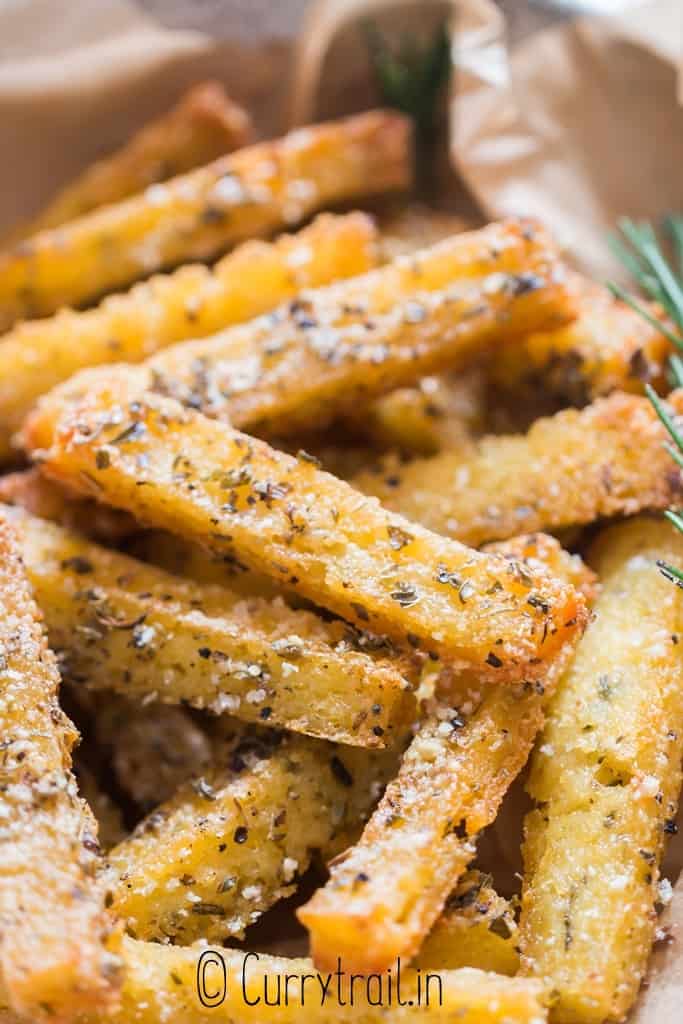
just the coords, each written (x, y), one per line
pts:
(606, 778)
(183, 472)
(57, 942)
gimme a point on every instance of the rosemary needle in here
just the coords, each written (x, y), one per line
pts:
(412, 77)
(639, 250)
(629, 299)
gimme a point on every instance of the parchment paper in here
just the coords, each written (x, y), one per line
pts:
(585, 128)
(580, 124)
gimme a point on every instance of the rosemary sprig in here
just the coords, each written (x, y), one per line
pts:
(640, 251)
(411, 77)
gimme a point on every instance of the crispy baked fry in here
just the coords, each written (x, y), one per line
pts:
(110, 828)
(476, 929)
(659, 998)
(195, 216)
(570, 469)
(232, 842)
(317, 357)
(7, 1017)
(538, 550)
(609, 347)
(190, 303)
(191, 475)
(183, 558)
(385, 895)
(161, 985)
(202, 126)
(441, 413)
(412, 227)
(335, 347)
(153, 748)
(126, 626)
(606, 778)
(42, 497)
(56, 939)
(31, 490)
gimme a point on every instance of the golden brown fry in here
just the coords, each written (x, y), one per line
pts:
(409, 228)
(110, 828)
(476, 929)
(161, 985)
(386, 894)
(338, 450)
(333, 348)
(537, 550)
(56, 939)
(570, 469)
(7, 1017)
(606, 777)
(203, 125)
(232, 842)
(197, 215)
(317, 357)
(609, 347)
(183, 558)
(191, 475)
(440, 414)
(31, 490)
(192, 302)
(384, 897)
(152, 748)
(125, 626)
(659, 997)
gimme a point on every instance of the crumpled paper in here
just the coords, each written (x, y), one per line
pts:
(579, 125)
(585, 128)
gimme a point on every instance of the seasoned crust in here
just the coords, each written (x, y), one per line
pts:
(570, 469)
(181, 471)
(56, 940)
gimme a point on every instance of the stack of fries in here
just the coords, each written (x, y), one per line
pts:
(310, 606)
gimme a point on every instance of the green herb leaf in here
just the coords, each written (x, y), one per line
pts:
(639, 250)
(411, 77)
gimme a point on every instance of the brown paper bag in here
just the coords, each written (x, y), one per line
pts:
(586, 128)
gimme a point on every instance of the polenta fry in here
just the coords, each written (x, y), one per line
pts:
(161, 985)
(110, 828)
(191, 302)
(334, 347)
(439, 414)
(57, 942)
(203, 125)
(195, 216)
(606, 778)
(659, 999)
(476, 929)
(539, 550)
(183, 558)
(114, 619)
(392, 885)
(153, 748)
(183, 472)
(412, 227)
(609, 347)
(569, 469)
(231, 842)
(387, 893)
(317, 356)
(31, 490)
